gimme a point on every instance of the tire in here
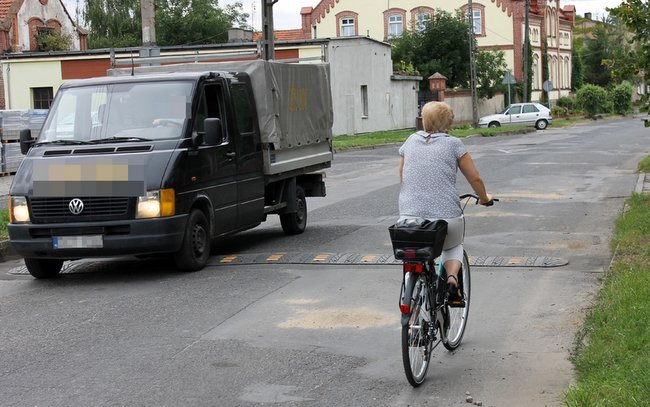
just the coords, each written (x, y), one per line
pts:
(43, 268)
(494, 124)
(296, 222)
(416, 341)
(195, 250)
(456, 318)
(541, 124)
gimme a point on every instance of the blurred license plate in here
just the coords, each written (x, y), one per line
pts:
(78, 242)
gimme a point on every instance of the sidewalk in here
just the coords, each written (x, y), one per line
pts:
(6, 251)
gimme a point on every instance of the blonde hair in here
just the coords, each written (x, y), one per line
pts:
(437, 117)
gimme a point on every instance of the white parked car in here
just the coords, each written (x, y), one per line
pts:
(527, 114)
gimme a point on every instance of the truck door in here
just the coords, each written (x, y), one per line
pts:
(218, 163)
(250, 178)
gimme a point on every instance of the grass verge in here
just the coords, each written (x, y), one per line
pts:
(4, 220)
(612, 363)
(399, 136)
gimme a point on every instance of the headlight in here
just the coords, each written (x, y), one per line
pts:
(18, 210)
(156, 204)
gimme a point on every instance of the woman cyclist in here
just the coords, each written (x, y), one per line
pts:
(429, 162)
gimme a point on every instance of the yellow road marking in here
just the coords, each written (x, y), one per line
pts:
(275, 257)
(228, 259)
(321, 257)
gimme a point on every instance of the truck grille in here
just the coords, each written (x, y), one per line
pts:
(45, 210)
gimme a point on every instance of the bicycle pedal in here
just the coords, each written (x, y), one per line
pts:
(456, 304)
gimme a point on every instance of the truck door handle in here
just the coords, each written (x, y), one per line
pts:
(231, 154)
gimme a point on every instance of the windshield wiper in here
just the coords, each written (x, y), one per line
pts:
(119, 139)
(62, 142)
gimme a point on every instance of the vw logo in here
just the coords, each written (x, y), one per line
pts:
(76, 206)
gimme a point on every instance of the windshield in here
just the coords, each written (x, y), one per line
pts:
(144, 111)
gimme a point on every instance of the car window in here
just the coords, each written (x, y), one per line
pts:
(515, 110)
(530, 109)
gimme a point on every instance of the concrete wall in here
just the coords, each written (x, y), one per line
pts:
(52, 10)
(392, 103)
(461, 103)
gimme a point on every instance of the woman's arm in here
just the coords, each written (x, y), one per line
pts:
(401, 168)
(467, 167)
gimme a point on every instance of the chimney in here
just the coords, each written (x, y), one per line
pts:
(240, 35)
(305, 12)
(588, 16)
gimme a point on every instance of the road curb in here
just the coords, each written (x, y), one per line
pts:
(7, 251)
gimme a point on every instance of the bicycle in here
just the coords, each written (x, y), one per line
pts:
(428, 319)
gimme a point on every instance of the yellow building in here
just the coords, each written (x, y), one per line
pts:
(498, 25)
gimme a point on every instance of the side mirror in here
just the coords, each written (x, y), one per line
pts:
(213, 131)
(26, 141)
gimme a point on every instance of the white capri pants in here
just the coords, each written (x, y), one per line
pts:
(453, 247)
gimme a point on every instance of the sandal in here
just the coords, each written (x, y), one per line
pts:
(454, 294)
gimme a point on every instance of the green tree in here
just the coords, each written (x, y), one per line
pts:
(597, 50)
(577, 79)
(490, 69)
(117, 23)
(442, 46)
(634, 15)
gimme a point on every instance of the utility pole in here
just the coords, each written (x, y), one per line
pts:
(526, 50)
(268, 39)
(148, 23)
(472, 66)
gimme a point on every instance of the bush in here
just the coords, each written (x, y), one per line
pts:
(560, 111)
(621, 98)
(593, 99)
(567, 102)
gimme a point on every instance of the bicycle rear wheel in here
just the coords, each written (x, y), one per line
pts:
(456, 318)
(416, 341)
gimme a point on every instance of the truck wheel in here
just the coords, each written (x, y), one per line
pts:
(43, 268)
(195, 249)
(295, 223)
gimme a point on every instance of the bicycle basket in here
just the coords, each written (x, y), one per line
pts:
(418, 234)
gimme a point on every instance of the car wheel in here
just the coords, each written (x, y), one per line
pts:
(494, 124)
(541, 124)
(195, 251)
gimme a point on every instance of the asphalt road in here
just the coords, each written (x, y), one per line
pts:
(118, 333)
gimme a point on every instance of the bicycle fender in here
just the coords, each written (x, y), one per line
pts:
(407, 294)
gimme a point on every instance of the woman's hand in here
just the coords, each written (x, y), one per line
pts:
(486, 202)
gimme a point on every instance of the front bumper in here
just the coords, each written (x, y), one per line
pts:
(130, 237)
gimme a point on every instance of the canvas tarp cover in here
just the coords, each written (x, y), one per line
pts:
(294, 101)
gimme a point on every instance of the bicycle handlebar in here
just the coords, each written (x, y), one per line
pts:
(476, 198)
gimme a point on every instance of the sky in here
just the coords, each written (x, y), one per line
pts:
(286, 13)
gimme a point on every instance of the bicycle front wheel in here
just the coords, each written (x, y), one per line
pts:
(416, 341)
(456, 319)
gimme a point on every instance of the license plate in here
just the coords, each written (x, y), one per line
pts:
(78, 242)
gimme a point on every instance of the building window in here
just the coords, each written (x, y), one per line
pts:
(42, 97)
(347, 24)
(364, 101)
(394, 20)
(347, 27)
(395, 25)
(421, 21)
(478, 18)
